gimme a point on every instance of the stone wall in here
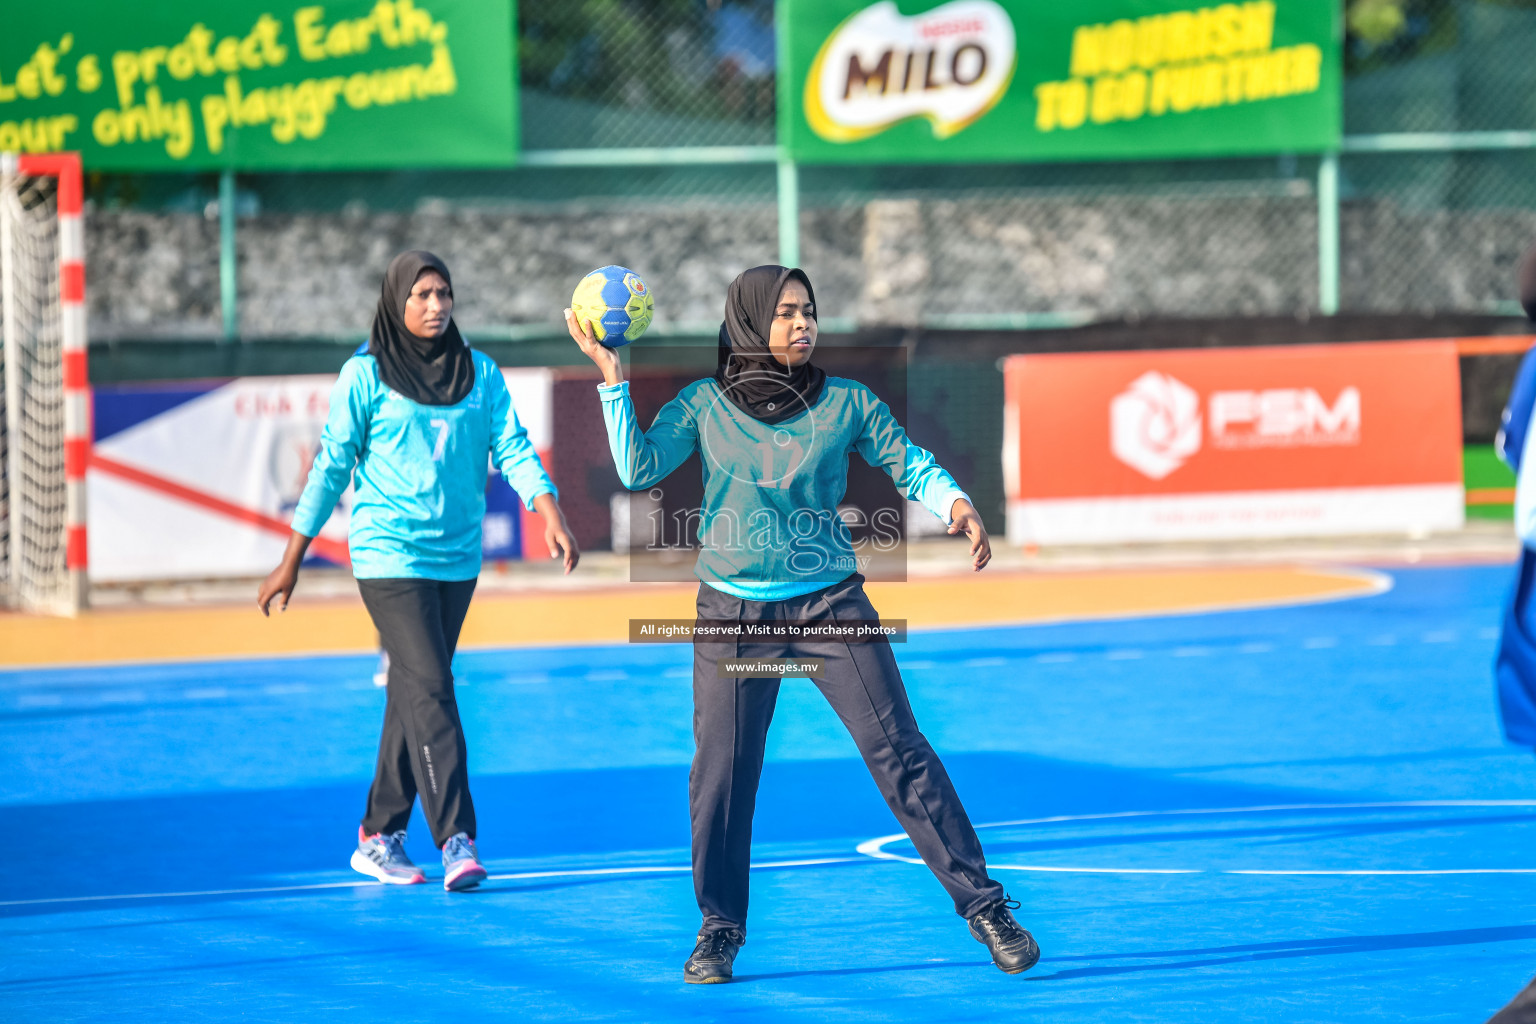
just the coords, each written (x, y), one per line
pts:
(151, 275)
(885, 261)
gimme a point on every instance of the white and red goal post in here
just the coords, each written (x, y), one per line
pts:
(47, 423)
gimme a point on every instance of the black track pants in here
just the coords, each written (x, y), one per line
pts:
(863, 685)
(421, 752)
(1521, 1009)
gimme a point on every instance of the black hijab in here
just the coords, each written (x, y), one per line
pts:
(748, 374)
(431, 371)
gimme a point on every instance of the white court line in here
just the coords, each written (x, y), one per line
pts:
(360, 883)
(1263, 808)
(875, 848)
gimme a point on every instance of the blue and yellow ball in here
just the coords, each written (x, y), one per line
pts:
(615, 303)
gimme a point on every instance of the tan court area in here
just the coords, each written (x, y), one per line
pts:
(602, 615)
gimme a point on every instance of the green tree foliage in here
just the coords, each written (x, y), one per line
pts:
(1376, 22)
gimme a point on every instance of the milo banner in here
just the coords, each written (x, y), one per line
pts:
(261, 83)
(920, 81)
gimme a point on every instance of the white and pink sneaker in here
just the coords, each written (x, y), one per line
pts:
(383, 857)
(461, 864)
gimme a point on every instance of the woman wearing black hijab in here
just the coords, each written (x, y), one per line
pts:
(775, 432)
(414, 422)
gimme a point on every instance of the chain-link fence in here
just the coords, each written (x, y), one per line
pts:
(970, 246)
(1439, 66)
(1436, 189)
(312, 247)
(611, 73)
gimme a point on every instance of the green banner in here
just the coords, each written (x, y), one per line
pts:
(248, 84)
(1053, 80)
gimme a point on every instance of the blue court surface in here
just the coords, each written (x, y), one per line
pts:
(1300, 814)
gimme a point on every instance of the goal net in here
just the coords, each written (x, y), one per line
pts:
(44, 442)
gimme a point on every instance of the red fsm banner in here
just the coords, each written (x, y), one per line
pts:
(1219, 443)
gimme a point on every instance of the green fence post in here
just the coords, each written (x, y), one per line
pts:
(1328, 234)
(228, 280)
(789, 212)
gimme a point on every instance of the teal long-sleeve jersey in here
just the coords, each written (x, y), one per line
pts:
(420, 472)
(770, 527)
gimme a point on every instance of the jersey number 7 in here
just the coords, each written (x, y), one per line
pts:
(442, 439)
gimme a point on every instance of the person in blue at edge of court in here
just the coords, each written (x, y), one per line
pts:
(1517, 645)
(419, 415)
(1516, 665)
(778, 432)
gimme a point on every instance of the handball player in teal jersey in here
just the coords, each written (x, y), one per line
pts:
(775, 433)
(415, 422)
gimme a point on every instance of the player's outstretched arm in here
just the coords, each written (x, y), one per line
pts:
(285, 577)
(963, 518)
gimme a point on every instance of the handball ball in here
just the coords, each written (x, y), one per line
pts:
(615, 303)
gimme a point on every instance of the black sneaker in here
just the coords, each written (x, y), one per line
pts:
(1013, 949)
(711, 961)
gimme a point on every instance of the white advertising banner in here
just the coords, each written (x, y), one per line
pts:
(200, 481)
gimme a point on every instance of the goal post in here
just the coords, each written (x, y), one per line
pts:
(45, 434)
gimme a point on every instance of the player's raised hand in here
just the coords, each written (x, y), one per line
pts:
(606, 358)
(965, 519)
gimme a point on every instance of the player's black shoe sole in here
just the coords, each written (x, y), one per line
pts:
(713, 957)
(1013, 949)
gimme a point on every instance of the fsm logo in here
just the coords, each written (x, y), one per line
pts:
(1154, 425)
(951, 65)
(1284, 418)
